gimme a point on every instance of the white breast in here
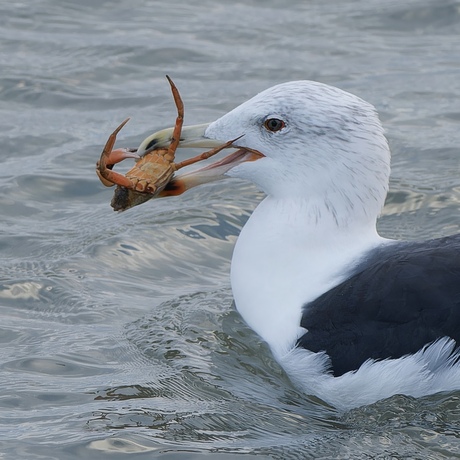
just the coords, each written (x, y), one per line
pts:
(282, 261)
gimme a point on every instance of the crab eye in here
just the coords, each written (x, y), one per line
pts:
(274, 124)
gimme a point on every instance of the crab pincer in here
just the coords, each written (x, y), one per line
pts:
(111, 157)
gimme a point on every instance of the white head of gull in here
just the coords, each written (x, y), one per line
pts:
(324, 166)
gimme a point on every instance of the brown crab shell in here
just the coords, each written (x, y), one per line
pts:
(153, 171)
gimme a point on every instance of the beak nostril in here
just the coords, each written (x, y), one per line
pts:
(151, 145)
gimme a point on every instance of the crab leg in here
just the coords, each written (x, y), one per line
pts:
(204, 155)
(179, 122)
(110, 157)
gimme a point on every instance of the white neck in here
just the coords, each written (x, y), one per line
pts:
(289, 254)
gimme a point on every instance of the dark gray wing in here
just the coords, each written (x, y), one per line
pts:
(401, 297)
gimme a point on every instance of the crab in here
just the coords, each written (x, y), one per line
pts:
(151, 173)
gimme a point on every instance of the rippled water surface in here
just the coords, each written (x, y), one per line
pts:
(117, 331)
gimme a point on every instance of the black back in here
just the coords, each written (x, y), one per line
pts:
(400, 298)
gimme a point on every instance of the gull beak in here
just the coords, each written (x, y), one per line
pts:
(191, 136)
(194, 137)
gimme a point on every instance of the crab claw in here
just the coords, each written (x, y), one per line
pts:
(117, 155)
(111, 157)
(109, 160)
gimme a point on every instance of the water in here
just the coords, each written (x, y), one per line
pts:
(117, 331)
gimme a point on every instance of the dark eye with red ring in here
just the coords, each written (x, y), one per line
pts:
(274, 124)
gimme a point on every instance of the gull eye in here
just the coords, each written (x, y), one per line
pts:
(274, 124)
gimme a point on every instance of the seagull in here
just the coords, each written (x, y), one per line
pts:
(352, 317)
